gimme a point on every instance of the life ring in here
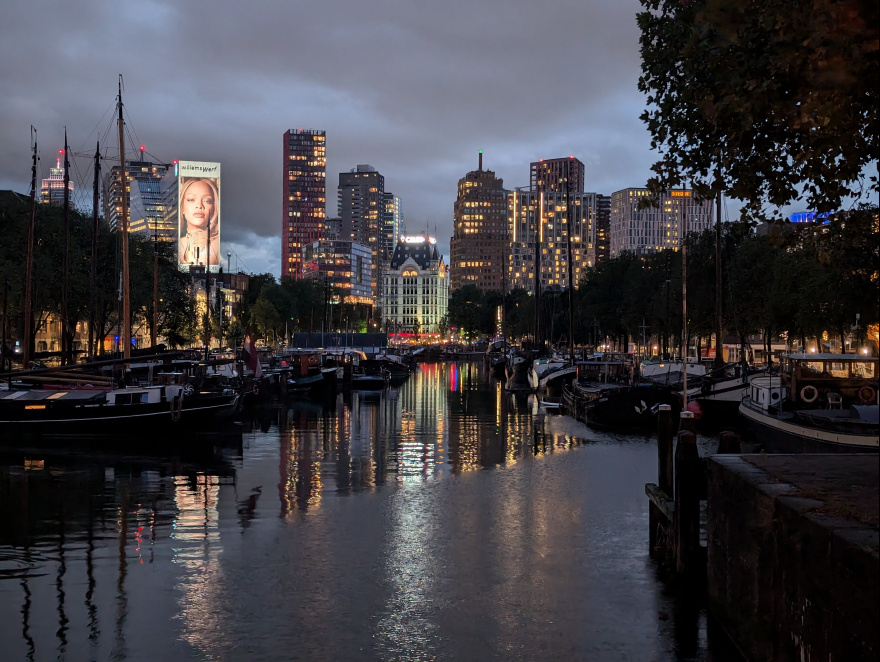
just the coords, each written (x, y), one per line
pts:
(255, 389)
(313, 360)
(188, 390)
(867, 394)
(809, 393)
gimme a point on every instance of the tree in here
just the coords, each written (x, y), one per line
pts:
(763, 98)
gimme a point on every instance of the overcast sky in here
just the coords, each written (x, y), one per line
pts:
(414, 89)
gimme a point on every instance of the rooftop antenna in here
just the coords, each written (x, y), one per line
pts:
(481, 161)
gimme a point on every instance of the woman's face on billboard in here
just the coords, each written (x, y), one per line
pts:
(198, 205)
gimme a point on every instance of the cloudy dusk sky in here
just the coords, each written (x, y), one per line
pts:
(414, 89)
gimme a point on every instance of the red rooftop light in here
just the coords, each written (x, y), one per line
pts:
(143, 149)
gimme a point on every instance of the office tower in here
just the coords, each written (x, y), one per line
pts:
(651, 228)
(52, 188)
(416, 287)
(556, 174)
(304, 202)
(361, 208)
(543, 217)
(479, 244)
(146, 204)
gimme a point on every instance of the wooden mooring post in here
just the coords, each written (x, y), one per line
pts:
(674, 502)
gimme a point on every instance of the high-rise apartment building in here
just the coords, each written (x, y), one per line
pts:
(52, 188)
(143, 195)
(479, 244)
(557, 175)
(651, 228)
(416, 288)
(598, 250)
(543, 220)
(304, 204)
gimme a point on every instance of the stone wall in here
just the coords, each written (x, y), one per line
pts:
(793, 555)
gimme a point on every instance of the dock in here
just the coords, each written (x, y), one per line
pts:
(785, 547)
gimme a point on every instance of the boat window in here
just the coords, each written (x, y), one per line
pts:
(811, 368)
(864, 369)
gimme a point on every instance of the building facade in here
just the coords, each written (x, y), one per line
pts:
(347, 265)
(304, 173)
(541, 221)
(391, 227)
(557, 175)
(479, 245)
(144, 196)
(52, 188)
(599, 248)
(416, 289)
(641, 228)
(361, 209)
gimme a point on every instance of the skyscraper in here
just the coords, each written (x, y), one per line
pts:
(556, 174)
(648, 229)
(146, 207)
(361, 208)
(304, 203)
(479, 243)
(52, 188)
(544, 217)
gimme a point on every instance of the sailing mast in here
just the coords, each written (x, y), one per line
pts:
(93, 336)
(539, 218)
(29, 269)
(570, 270)
(66, 356)
(123, 181)
(684, 317)
(719, 358)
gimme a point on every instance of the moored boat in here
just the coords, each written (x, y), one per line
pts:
(820, 403)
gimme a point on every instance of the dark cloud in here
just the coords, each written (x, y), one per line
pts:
(414, 89)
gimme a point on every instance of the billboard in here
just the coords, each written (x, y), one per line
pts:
(198, 214)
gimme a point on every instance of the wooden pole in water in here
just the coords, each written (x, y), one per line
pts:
(687, 498)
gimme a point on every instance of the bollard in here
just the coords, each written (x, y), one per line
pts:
(687, 502)
(729, 443)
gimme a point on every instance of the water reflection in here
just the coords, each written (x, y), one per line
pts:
(445, 519)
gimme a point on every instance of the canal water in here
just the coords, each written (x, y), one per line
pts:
(429, 522)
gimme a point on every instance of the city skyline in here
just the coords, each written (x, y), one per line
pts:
(439, 85)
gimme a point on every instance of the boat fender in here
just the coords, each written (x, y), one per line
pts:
(809, 393)
(867, 394)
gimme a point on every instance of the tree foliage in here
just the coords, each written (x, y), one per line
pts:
(763, 98)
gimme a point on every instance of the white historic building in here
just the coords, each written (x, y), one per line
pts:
(416, 288)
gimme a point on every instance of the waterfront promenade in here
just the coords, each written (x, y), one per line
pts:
(420, 524)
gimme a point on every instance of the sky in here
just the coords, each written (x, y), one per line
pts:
(414, 89)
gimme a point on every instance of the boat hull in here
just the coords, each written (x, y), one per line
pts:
(86, 418)
(786, 434)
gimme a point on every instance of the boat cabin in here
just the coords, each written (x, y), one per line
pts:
(823, 378)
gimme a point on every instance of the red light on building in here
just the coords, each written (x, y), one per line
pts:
(143, 149)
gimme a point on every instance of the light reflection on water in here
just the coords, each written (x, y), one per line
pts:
(444, 519)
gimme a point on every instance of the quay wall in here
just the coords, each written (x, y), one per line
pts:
(793, 558)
